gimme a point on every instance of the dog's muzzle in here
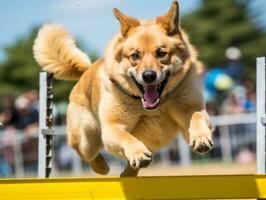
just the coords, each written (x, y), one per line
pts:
(152, 92)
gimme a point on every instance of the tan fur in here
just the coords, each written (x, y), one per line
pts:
(55, 50)
(100, 115)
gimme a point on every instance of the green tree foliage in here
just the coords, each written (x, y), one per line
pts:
(19, 72)
(217, 25)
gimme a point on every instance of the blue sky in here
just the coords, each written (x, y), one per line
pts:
(92, 21)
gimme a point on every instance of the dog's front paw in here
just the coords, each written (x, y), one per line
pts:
(200, 141)
(138, 155)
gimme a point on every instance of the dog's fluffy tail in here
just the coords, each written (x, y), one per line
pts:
(56, 52)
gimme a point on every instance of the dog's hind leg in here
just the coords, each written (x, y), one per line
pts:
(84, 136)
(99, 165)
(129, 171)
(89, 149)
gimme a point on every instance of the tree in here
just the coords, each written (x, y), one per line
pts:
(19, 72)
(217, 25)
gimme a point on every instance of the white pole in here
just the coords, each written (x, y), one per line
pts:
(184, 151)
(261, 121)
(18, 158)
(77, 164)
(45, 125)
(42, 124)
(225, 144)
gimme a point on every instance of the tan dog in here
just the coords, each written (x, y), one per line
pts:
(135, 99)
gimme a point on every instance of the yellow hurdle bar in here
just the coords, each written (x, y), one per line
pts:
(144, 188)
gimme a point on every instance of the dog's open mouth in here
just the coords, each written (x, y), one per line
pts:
(152, 93)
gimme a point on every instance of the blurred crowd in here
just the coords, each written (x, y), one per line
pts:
(20, 112)
(227, 90)
(19, 118)
(230, 90)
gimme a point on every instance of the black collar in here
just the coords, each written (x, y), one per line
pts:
(124, 90)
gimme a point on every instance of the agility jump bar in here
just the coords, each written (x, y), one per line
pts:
(141, 188)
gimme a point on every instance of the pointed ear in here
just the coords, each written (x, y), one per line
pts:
(126, 22)
(170, 21)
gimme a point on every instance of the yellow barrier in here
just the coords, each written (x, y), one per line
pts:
(152, 188)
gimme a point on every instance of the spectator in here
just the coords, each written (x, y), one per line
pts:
(5, 169)
(234, 67)
(250, 102)
(232, 105)
(28, 116)
(8, 113)
(32, 97)
(5, 117)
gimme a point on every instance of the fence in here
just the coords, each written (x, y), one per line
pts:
(233, 133)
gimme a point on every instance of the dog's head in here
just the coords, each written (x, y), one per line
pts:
(148, 55)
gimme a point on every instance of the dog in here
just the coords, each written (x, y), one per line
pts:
(137, 97)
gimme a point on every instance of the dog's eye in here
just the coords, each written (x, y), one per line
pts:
(160, 54)
(135, 56)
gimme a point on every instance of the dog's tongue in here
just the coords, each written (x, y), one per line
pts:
(151, 94)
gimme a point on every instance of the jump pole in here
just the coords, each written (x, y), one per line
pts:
(261, 114)
(46, 133)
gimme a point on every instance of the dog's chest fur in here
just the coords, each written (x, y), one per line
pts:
(155, 130)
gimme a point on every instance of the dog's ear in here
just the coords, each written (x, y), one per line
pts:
(126, 22)
(170, 21)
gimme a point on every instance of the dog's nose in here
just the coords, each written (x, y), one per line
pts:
(149, 76)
